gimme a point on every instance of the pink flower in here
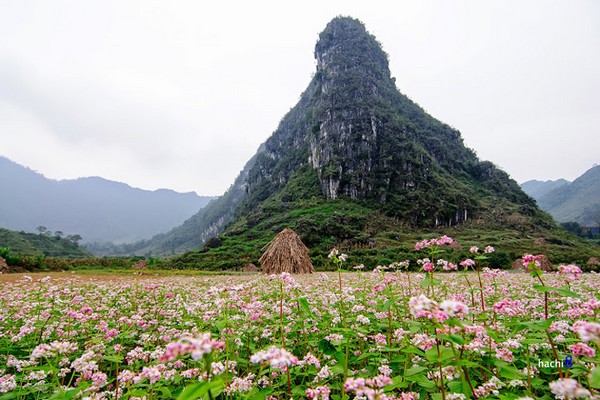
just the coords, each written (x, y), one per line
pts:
(126, 376)
(371, 388)
(582, 349)
(153, 374)
(197, 347)
(310, 359)
(433, 242)
(587, 331)
(444, 240)
(474, 249)
(53, 349)
(489, 250)
(318, 393)
(446, 265)
(277, 358)
(111, 333)
(7, 383)
(409, 396)
(571, 272)
(529, 260)
(428, 267)
(99, 378)
(568, 388)
(421, 306)
(467, 263)
(454, 308)
(439, 315)
(505, 354)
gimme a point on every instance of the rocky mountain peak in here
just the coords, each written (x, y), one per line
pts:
(353, 141)
(345, 46)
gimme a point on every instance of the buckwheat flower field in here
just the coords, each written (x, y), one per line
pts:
(384, 334)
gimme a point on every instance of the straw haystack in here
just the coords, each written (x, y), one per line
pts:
(140, 264)
(286, 253)
(250, 268)
(3, 266)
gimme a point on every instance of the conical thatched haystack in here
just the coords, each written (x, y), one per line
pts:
(286, 253)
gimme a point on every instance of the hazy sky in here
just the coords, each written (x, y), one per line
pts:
(180, 94)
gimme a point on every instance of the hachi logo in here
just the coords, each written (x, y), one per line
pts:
(568, 363)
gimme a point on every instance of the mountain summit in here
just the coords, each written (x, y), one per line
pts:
(354, 163)
(367, 141)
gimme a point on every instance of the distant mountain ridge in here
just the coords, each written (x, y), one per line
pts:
(537, 189)
(577, 201)
(98, 209)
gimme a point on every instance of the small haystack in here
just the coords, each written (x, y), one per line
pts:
(3, 266)
(140, 264)
(250, 267)
(286, 253)
(545, 264)
(593, 263)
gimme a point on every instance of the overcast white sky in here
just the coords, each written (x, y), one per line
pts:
(179, 94)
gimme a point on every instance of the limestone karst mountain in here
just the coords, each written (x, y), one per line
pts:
(357, 163)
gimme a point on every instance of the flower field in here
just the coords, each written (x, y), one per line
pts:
(384, 334)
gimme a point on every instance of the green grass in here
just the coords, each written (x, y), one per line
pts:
(373, 238)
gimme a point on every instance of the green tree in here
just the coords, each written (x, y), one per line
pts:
(74, 238)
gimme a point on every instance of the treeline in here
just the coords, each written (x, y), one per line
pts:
(45, 243)
(22, 263)
(586, 232)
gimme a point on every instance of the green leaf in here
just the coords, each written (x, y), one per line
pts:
(453, 338)
(511, 373)
(201, 389)
(255, 394)
(299, 391)
(426, 282)
(387, 305)
(455, 386)
(466, 363)
(165, 391)
(425, 383)
(337, 369)
(595, 378)
(305, 306)
(115, 358)
(445, 354)
(138, 393)
(12, 395)
(398, 382)
(339, 397)
(66, 395)
(327, 347)
(534, 326)
(414, 371)
(564, 292)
